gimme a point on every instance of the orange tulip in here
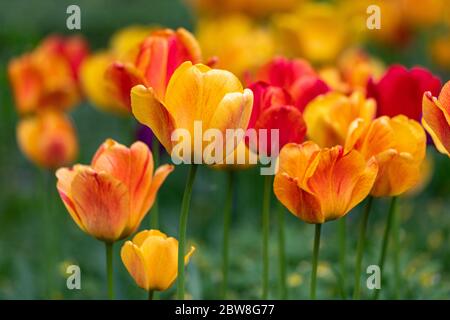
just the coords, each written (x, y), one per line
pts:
(159, 56)
(151, 259)
(48, 139)
(318, 185)
(48, 76)
(329, 116)
(109, 198)
(214, 98)
(398, 144)
(436, 118)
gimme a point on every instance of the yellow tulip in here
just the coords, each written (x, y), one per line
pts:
(329, 116)
(151, 259)
(213, 97)
(399, 146)
(48, 139)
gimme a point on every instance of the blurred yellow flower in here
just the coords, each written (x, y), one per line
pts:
(151, 258)
(251, 7)
(239, 43)
(315, 31)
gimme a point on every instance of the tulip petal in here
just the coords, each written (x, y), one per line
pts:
(140, 237)
(102, 203)
(123, 77)
(436, 120)
(149, 111)
(134, 262)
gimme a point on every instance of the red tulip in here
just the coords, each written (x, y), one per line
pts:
(400, 91)
(273, 108)
(295, 76)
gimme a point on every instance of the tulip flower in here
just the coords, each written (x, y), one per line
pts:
(328, 117)
(48, 139)
(316, 31)
(319, 185)
(109, 198)
(398, 144)
(296, 76)
(151, 259)
(196, 94)
(160, 54)
(436, 118)
(240, 44)
(400, 91)
(47, 77)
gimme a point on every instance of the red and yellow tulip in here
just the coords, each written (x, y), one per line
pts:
(151, 259)
(398, 145)
(436, 118)
(47, 77)
(319, 185)
(48, 139)
(109, 198)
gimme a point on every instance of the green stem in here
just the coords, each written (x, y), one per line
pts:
(386, 240)
(226, 232)
(360, 247)
(396, 249)
(265, 234)
(281, 253)
(182, 229)
(150, 294)
(154, 217)
(109, 269)
(342, 224)
(315, 259)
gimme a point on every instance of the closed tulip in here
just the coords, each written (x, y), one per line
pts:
(48, 139)
(319, 185)
(109, 198)
(400, 91)
(398, 144)
(328, 117)
(216, 98)
(436, 118)
(47, 77)
(151, 259)
(159, 55)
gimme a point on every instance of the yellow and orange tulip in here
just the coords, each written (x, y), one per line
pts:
(329, 116)
(319, 185)
(194, 93)
(436, 118)
(151, 258)
(48, 139)
(399, 146)
(109, 198)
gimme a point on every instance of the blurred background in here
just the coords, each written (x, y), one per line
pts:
(25, 203)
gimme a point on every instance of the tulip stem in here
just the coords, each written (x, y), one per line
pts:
(385, 244)
(342, 226)
(154, 217)
(109, 269)
(182, 229)
(396, 247)
(360, 247)
(265, 235)
(226, 231)
(150, 294)
(315, 259)
(281, 253)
